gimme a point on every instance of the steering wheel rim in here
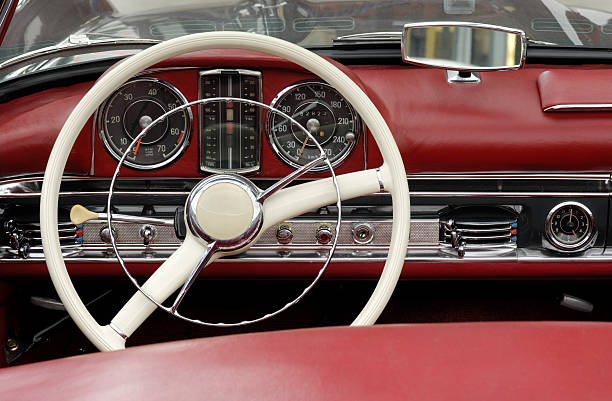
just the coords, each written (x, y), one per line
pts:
(391, 175)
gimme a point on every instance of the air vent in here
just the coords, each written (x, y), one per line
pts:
(479, 231)
(25, 237)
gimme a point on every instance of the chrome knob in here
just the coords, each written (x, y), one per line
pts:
(363, 233)
(10, 226)
(24, 249)
(105, 234)
(284, 234)
(324, 234)
(148, 233)
(15, 240)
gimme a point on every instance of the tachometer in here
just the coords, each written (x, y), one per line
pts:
(132, 108)
(324, 113)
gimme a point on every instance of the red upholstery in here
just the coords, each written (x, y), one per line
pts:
(571, 87)
(466, 361)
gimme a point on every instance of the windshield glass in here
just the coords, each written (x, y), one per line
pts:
(310, 23)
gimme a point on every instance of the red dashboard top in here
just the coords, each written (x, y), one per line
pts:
(495, 126)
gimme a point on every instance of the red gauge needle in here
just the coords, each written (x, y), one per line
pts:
(138, 145)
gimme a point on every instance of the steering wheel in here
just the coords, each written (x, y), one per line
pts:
(212, 232)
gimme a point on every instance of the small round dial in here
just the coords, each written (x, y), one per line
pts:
(132, 108)
(569, 226)
(320, 109)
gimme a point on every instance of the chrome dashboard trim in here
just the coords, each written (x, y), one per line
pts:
(124, 43)
(29, 187)
(580, 107)
(159, 254)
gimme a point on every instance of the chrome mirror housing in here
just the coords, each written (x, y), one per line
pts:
(463, 46)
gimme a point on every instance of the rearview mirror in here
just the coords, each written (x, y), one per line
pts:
(463, 46)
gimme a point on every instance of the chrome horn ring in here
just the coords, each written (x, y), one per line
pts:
(216, 245)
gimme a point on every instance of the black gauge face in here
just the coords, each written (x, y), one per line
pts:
(133, 107)
(324, 113)
(569, 226)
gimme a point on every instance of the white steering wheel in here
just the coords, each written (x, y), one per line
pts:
(210, 231)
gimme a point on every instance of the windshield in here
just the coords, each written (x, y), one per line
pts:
(310, 23)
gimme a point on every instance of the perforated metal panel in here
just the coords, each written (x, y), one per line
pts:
(423, 231)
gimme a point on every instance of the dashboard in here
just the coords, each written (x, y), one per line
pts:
(499, 187)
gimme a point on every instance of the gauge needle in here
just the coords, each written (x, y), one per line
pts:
(303, 146)
(571, 210)
(138, 144)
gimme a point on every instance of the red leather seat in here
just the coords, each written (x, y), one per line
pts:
(462, 361)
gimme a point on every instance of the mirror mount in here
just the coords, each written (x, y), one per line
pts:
(463, 46)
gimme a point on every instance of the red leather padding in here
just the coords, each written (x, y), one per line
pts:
(568, 88)
(465, 361)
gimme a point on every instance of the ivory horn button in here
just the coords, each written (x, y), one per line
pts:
(224, 211)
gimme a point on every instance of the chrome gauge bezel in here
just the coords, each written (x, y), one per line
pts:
(189, 124)
(348, 150)
(579, 246)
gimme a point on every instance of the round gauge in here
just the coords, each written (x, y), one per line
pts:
(569, 226)
(133, 107)
(324, 113)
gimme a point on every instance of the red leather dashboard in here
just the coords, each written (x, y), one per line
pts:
(495, 126)
(428, 362)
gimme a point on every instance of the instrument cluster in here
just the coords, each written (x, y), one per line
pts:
(231, 133)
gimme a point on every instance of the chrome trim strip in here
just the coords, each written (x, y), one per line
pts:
(412, 194)
(505, 194)
(7, 5)
(511, 176)
(594, 255)
(111, 43)
(29, 187)
(580, 107)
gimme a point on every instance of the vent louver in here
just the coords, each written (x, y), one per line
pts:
(25, 237)
(479, 230)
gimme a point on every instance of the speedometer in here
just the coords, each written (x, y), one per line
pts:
(133, 107)
(324, 113)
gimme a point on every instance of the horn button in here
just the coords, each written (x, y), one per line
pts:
(224, 209)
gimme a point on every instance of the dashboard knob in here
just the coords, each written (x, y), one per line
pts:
(105, 234)
(148, 233)
(324, 234)
(24, 249)
(284, 234)
(363, 233)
